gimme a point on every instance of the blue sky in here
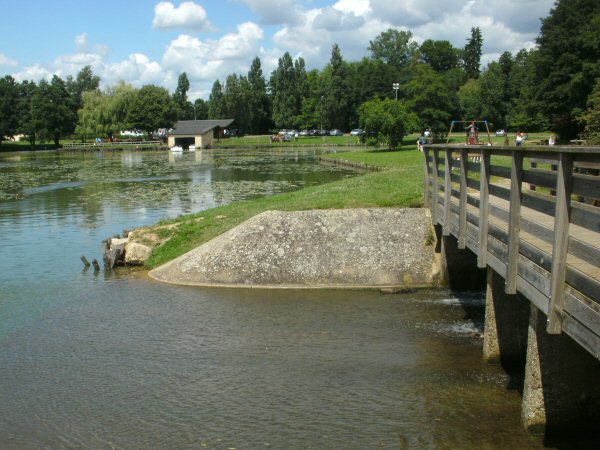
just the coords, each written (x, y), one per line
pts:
(153, 41)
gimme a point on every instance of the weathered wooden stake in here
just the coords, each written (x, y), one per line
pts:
(85, 262)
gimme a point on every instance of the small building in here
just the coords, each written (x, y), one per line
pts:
(200, 133)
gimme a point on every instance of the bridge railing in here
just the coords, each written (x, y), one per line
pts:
(533, 216)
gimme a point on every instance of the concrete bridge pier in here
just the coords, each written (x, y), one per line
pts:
(506, 325)
(562, 383)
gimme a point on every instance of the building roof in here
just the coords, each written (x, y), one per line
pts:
(196, 127)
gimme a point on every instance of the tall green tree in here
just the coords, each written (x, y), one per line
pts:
(393, 47)
(258, 99)
(284, 93)
(200, 109)
(472, 53)
(185, 109)
(469, 96)
(52, 110)
(216, 104)
(9, 101)
(440, 55)
(492, 83)
(590, 119)
(152, 108)
(27, 90)
(428, 96)
(85, 81)
(236, 100)
(567, 63)
(337, 90)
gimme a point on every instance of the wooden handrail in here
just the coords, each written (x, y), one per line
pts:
(545, 243)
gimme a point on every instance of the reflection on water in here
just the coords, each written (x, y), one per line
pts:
(113, 360)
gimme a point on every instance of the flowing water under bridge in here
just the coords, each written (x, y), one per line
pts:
(531, 219)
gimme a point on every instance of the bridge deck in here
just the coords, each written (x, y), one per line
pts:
(544, 242)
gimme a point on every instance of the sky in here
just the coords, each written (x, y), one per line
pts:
(153, 42)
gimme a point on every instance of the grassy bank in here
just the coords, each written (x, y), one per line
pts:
(399, 185)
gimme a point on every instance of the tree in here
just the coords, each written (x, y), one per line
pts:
(9, 101)
(200, 109)
(469, 96)
(567, 63)
(393, 47)
(27, 89)
(235, 100)
(185, 109)
(258, 99)
(152, 108)
(440, 55)
(53, 115)
(590, 119)
(284, 92)
(385, 121)
(216, 105)
(105, 113)
(85, 81)
(427, 95)
(492, 83)
(337, 93)
(472, 53)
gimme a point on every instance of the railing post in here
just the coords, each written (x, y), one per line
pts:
(484, 208)
(426, 202)
(564, 188)
(514, 221)
(436, 186)
(447, 191)
(462, 205)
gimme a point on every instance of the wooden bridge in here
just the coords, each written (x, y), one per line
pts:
(531, 217)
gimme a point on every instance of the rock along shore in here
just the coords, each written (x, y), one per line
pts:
(380, 247)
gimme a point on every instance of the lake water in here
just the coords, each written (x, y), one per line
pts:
(114, 360)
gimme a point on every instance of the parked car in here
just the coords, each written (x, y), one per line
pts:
(357, 132)
(336, 132)
(500, 133)
(303, 133)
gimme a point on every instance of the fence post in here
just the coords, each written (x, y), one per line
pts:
(514, 221)
(484, 207)
(462, 205)
(447, 191)
(564, 188)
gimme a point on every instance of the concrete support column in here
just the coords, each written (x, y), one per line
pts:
(561, 389)
(506, 324)
(460, 266)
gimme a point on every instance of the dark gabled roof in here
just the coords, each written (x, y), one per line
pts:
(195, 127)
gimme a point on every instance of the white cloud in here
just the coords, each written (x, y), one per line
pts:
(6, 61)
(188, 15)
(275, 12)
(81, 42)
(209, 60)
(137, 70)
(33, 73)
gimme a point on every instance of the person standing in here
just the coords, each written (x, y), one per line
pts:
(519, 139)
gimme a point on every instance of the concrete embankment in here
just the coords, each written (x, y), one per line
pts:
(383, 247)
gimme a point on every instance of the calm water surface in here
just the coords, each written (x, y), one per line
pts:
(114, 360)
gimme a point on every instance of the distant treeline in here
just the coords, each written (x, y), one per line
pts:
(552, 87)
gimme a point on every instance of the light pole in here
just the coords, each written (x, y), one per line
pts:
(396, 86)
